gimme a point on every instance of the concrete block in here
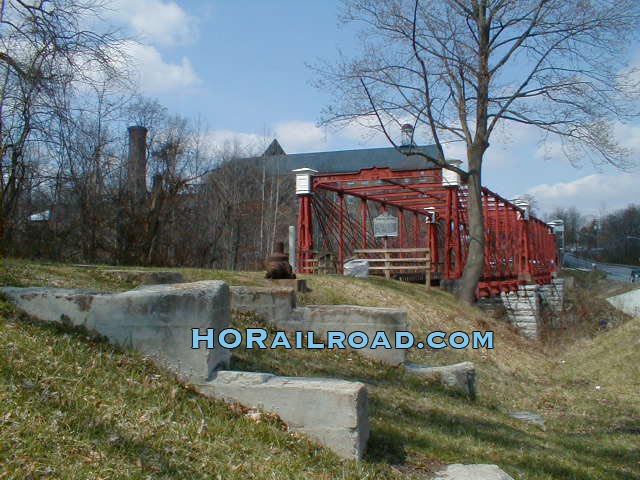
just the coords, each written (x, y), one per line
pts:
(331, 412)
(529, 417)
(569, 282)
(460, 376)
(155, 320)
(472, 472)
(628, 302)
(277, 306)
(297, 284)
(552, 295)
(63, 305)
(350, 318)
(146, 277)
(274, 305)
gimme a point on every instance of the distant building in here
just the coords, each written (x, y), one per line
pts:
(279, 162)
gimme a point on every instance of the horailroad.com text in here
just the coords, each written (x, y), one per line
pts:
(263, 339)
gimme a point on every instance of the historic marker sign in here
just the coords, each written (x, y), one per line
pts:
(385, 225)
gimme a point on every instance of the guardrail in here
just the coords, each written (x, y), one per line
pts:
(620, 273)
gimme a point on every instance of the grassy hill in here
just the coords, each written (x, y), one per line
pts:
(72, 407)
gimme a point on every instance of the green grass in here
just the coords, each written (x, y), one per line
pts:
(76, 408)
(73, 407)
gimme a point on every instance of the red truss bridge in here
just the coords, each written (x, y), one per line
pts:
(336, 217)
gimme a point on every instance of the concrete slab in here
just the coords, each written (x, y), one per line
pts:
(158, 320)
(460, 376)
(350, 318)
(297, 284)
(62, 305)
(332, 412)
(628, 302)
(273, 304)
(278, 307)
(458, 471)
(529, 417)
(155, 320)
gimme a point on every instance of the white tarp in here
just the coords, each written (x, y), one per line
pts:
(356, 268)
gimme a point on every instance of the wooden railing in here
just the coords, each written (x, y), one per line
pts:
(316, 262)
(399, 260)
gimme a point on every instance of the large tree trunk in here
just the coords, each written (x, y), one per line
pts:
(474, 266)
(475, 258)
(2, 233)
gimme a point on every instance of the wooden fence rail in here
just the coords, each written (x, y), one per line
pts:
(398, 260)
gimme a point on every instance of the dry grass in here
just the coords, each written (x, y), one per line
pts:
(165, 431)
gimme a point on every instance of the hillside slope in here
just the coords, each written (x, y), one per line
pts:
(76, 408)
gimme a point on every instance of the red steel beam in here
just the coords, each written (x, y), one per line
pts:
(515, 249)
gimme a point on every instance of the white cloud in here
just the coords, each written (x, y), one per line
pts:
(510, 141)
(455, 151)
(628, 136)
(366, 131)
(630, 77)
(591, 194)
(294, 136)
(156, 24)
(156, 21)
(248, 143)
(155, 75)
(299, 136)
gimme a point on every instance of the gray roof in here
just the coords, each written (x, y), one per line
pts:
(350, 160)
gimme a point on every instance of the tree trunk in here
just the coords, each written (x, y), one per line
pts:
(3, 250)
(474, 265)
(475, 258)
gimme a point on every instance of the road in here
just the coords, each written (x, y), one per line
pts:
(619, 273)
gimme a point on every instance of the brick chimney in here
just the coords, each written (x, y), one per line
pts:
(137, 163)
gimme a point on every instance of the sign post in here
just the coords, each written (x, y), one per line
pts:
(385, 225)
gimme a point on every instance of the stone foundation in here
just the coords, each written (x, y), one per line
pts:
(277, 306)
(552, 295)
(272, 304)
(297, 284)
(472, 472)
(350, 318)
(523, 310)
(524, 306)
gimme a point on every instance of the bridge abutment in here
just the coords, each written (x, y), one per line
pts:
(525, 306)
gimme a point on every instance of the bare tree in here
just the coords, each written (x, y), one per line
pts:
(461, 68)
(46, 51)
(573, 222)
(87, 143)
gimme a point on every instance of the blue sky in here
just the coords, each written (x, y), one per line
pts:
(240, 66)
